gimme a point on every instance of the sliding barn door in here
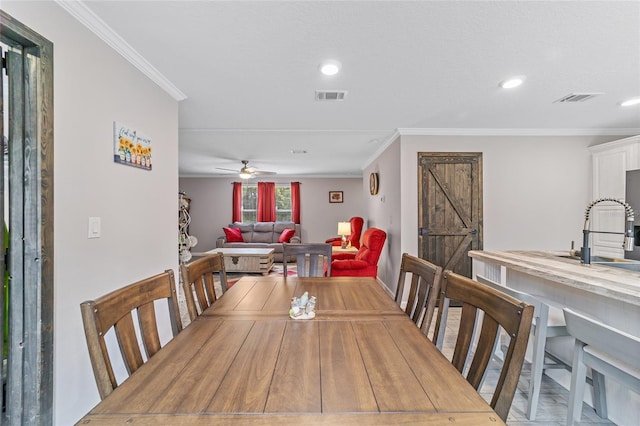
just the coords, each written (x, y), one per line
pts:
(450, 208)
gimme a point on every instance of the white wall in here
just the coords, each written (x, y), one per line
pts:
(211, 206)
(93, 86)
(535, 191)
(384, 210)
(535, 188)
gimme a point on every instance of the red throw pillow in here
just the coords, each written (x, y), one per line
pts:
(286, 235)
(234, 235)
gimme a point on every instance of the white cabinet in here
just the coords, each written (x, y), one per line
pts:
(610, 163)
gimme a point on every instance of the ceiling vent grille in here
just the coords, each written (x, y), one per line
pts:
(330, 95)
(577, 97)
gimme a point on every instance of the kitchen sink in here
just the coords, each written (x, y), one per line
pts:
(614, 262)
(625, 264)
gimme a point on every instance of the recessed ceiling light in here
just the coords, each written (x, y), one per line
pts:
(330, 67)
(631, 102)
(512, 82)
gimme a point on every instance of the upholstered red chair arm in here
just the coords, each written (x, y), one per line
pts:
(343, 256)
(337, 241)
(349, 264)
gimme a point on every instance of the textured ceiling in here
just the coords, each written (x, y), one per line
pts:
(249, 71)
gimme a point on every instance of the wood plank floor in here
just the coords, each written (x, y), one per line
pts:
(552, 408)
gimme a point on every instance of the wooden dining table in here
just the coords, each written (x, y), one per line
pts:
(360, 361)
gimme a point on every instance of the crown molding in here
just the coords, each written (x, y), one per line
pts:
(515, 132)
(280, 130)
(385, 144)
(494, 132)
(89, 19)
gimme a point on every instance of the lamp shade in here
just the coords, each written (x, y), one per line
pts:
(344, 228)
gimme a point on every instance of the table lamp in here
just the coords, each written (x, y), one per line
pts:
(344, 229)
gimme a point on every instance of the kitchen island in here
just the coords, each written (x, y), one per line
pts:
(609, 294)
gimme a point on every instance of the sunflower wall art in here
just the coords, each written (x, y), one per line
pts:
(131, 148)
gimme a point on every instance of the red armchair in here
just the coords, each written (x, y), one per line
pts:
(354, 238)
(364, 263)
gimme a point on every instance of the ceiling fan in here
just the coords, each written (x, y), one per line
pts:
(247, 172)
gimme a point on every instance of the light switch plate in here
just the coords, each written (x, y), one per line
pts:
(94, 227)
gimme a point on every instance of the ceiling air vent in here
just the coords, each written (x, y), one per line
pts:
(577, 97)
(330, 95)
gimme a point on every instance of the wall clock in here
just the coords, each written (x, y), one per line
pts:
(373, 183)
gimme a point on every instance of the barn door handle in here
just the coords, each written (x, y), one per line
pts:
(473, 231)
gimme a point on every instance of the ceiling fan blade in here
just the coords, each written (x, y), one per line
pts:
(263, 173)
(229, 170)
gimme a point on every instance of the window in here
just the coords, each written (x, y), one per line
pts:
(250, 203)
(283, 203)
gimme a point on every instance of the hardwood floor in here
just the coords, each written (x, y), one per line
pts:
(552, 408)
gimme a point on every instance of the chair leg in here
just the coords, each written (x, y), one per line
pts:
(578, 383)
(444, 306)
(537, 366)
(599, 394)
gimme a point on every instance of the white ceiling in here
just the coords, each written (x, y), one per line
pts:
(249, 71)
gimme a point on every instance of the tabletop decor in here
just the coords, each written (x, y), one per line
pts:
(303, 307)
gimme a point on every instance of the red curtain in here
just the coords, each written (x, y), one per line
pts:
(295, 202)
(266, 202)
(236, 208)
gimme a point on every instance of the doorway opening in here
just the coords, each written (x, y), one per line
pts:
(26, 194)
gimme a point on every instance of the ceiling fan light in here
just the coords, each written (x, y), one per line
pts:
(245, 175)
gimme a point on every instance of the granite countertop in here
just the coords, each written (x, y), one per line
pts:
(616, 283)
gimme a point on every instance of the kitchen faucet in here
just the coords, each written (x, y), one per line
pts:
(628, 234)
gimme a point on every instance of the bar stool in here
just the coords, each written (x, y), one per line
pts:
(608, 352)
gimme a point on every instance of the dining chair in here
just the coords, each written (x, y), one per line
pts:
(423, 291)
(548, 323)
(113, 312)
(608, 352)
(500, 311)
(310, 258)
(198, 282)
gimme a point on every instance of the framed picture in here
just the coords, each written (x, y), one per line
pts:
(131, 147)
(335, 197)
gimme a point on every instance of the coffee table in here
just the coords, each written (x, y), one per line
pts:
(253, 260)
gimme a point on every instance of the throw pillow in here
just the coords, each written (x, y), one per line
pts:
(234, 235)
(286, 235)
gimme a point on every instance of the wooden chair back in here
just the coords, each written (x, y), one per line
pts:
(500, 311)
(548, 323)
(198, 279)
(113, 311)
(424, 289)
(310, 259)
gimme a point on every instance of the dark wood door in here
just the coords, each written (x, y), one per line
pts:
(450, 208)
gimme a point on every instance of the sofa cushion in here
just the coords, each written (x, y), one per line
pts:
(234, 235)
(278, 227)
(286, 235)
(245, 228)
